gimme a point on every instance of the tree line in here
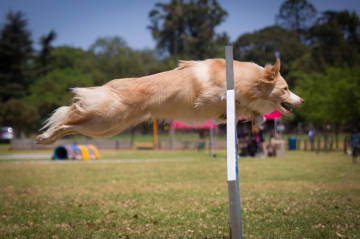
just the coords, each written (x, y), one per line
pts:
(319, 51)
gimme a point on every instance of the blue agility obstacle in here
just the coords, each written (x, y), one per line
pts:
(73, 151)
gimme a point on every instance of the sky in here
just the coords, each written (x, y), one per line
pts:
(79, 22)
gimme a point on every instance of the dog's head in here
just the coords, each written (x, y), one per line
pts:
(276, 91)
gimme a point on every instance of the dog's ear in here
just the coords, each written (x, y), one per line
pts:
(272, 71)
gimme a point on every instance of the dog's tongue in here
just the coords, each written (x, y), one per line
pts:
(285, 107)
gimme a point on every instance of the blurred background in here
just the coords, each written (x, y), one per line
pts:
(46, 48)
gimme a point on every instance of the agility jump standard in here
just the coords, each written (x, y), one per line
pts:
(232, 155)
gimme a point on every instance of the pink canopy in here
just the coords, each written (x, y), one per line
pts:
(273, 115)
(180, 125)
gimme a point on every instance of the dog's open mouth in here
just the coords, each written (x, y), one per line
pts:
(286, 108)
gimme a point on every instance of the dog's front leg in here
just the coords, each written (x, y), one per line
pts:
(258, 120)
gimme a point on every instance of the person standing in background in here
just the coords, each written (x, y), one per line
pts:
(311, 135)
(355, 144)
(262, 141)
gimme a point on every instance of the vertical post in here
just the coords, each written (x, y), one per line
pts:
(171, 132)
(275, 124)
(211, 145)
(326, 143)
(155, 133)
(216, 134)
(132, 135)
(298, 144)
(312, 144)
(232, 155)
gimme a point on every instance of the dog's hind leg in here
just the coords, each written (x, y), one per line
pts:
(56, 133)
(95, 127)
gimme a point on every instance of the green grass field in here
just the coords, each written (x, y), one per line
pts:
(148, 138)
(144, 138)
(303, 195)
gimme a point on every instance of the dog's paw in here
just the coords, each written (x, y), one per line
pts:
(258, 120)
(40, 139)
(43, 139)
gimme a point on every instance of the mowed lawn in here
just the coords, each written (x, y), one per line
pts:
(303, 195)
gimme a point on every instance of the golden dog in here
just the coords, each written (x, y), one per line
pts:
(193, 92)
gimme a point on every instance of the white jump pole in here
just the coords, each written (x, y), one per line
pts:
(232, 155)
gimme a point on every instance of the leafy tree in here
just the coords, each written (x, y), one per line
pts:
(68, 57)
(53, 90)
(296, 15)
(110, 47)
(186, 28)
(167, 26)
(117, 60)
(45, 59)
(201, 18)
(17, 113)
(336, 39)
(152, 64)
(107, 59)
(84, 61)
(300, 65)
(266, 45)
(330, 97)
(15, 52)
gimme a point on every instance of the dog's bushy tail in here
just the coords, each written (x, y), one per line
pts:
(89, 99)
(56, 118)
(86, 100)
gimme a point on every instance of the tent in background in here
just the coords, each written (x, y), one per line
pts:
(273, 115)
(180, 125)
(276, 116)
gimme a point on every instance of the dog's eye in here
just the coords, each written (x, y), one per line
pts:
(285, 88)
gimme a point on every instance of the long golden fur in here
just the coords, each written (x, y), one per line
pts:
(193, 92)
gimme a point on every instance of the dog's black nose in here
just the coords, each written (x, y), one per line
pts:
(302, 101)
